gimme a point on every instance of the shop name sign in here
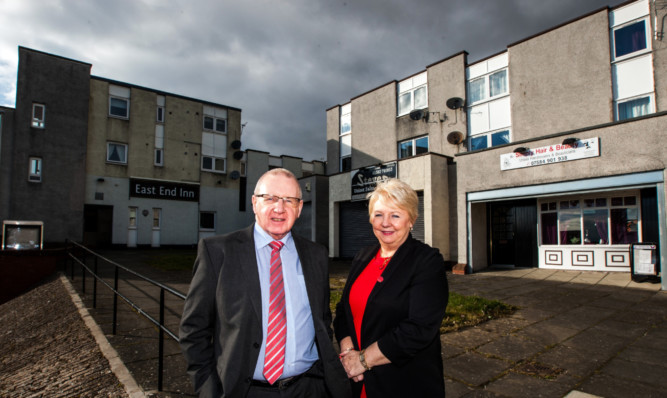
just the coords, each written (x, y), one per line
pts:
(163, 190)
(580, 149)
(365, 179)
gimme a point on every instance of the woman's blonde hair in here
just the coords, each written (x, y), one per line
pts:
(399, 194)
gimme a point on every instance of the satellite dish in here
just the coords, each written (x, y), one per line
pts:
(236, 144)
(419, 114)
(234, 175)
(455, 103)
(238, 155)
(455, 137)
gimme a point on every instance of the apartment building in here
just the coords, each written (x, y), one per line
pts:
(105, 162)
(548, 154)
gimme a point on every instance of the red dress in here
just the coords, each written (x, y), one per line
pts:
(361, 289)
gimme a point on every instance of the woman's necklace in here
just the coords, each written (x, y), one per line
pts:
(384, 263)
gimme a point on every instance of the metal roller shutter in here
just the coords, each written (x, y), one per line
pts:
(355, 230)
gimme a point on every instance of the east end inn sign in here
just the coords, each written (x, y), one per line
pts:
(164, 190)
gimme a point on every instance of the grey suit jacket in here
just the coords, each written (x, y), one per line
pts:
(221, 326)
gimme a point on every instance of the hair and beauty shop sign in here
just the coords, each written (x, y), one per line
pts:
(365, 179)
(156, 189)
(579, 149)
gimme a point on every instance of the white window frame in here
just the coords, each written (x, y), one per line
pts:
(408, 87)
(132, 217)
(413, 147)
(159, 114)
(487, 86)
(38, 122)
(127, 107)
(647, 38)
(157, 215)
(624, 100)
(215, 161)
(345, 135)
(109, 148)
(158, 157)
(215, 120)
(35, 169)
(489, 135)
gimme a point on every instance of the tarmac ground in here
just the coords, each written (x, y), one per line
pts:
(575, 334)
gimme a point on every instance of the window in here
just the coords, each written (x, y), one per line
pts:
(119, 101)
(207, 220)
(158, 159)
(590, 221)
(116, 153)
(215, 124)
(119, 107)
(488, 140)
(412, 94)
(345, 137)
(133, 217)
(412, 147)
(157, 213)
(634, 107)
(630, 38)
(38, 114)
(488, 86)
(35, 169)
(214, 152)
(160, 114)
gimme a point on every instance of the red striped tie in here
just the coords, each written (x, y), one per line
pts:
(274, 358)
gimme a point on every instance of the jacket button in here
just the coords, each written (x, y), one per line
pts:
(256, 345)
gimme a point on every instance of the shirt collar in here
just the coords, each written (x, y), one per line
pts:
(262, 238)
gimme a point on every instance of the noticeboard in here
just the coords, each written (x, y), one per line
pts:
(644, 265)
(365, 179)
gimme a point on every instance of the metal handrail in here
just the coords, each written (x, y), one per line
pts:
(163, 288)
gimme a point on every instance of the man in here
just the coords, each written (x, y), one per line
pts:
(256, 322)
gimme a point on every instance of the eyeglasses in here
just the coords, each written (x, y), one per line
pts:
(272, 200)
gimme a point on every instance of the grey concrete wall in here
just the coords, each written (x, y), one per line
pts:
(561, 80)
(374, 127)
(63, 86)
(333, 143)
(660, 57)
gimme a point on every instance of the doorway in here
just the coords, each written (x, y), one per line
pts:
(513, 230)
(97, 225)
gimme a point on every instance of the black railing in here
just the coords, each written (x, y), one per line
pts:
(78, 254)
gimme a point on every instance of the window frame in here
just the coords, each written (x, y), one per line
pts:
(489, 137)
(109, 143)
(487, 86)
(37, 122)
(35, 173)
(617, 103)
(400, 93)
(158, 162)
(157, 216)
(215, 160)
(413, 146)
(132, 217)
(214, 120)
(647, 39)
(127, 107)
(213, 214)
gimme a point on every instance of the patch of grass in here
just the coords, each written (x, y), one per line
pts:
(462, 311)
(173, 261)
(465, 311)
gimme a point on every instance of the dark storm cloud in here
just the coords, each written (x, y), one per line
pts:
(283, 63)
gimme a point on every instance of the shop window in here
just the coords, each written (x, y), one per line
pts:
(38, 115)
(412, 147)
(590, 221)
(116, 153)
(207, 220)
(35, 169)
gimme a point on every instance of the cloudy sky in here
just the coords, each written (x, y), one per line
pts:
(282, 62)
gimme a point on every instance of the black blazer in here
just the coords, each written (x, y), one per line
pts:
(221, 327)
(403, 315)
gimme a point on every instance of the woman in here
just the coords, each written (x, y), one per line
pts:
(387, 322)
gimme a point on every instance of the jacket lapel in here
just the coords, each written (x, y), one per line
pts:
(246, 257)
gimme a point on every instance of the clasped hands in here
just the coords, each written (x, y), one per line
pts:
(352, 364)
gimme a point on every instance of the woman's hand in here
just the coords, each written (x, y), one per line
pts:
(352, 364)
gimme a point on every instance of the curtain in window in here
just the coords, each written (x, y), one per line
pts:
(476, 90)
(634, 108)
(623, 226)
(498, 83)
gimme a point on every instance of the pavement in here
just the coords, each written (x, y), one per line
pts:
(575, 334)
